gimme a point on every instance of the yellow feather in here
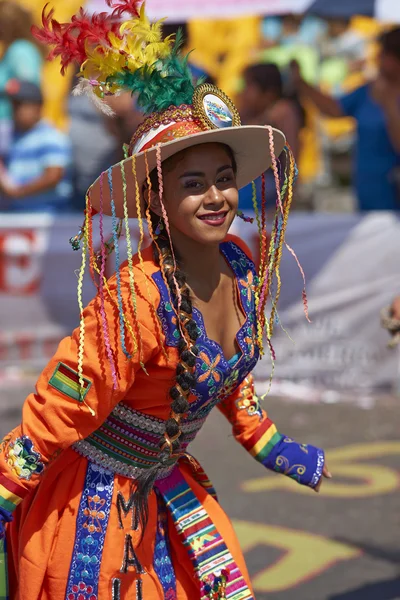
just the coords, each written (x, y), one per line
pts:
(139, 43)
(102, 63)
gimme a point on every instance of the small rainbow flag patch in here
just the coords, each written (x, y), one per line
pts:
(66, 381)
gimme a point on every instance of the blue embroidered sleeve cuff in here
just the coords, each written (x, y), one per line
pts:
(5, 517)
(301, 462)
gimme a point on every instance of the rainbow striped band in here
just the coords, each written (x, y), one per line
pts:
(264, 439)
(11, 494)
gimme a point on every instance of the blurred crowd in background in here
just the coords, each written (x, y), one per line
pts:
(332, 86)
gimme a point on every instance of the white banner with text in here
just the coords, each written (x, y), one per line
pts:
(352, 266)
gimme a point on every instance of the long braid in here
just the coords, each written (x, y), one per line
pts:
(185, 379)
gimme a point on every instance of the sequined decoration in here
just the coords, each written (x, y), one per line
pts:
(90, 534)
(162, 554)
(130, 559)
(116, 589)
(139, 589)
(124, 508)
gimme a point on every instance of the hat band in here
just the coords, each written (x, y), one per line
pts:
(168, 133)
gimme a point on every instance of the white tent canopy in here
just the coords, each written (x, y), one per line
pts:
(182, 10)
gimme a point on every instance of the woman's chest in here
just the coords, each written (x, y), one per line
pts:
(221, 315)
(226, 350)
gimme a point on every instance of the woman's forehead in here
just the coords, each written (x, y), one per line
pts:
(210, 155)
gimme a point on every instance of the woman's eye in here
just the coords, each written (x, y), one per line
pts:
(225, 179)
(193, 184)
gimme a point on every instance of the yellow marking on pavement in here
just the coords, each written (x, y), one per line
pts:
(365, 478)
(305, 555)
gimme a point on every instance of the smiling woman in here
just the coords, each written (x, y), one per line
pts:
(175, 332)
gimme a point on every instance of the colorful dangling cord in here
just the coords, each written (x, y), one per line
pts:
(154, 239)
(166, 223)
(117, 267)
(102, 281)
(138, 202)
(137, 346)
(81, 344)
(292, 178)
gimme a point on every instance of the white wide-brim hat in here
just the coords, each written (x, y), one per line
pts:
(249, 143)
(211, 118)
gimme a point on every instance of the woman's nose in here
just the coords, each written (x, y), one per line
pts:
(214, 196)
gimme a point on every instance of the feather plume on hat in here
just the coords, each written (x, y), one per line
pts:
(114, 57)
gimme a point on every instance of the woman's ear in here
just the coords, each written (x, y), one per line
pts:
(153, 200)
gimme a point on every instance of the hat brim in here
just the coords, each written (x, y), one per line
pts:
(249, 143)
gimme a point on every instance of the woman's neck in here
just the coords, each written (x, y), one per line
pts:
(200, 262)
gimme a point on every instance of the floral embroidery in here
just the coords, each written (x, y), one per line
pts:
(248, 400)
(248, 287)
(91, 527)
(81, 591)
(249, 340)
(94, 514)
(23, 459)
(209, 368)
(174, 320)
(216, 378)
(228, 386)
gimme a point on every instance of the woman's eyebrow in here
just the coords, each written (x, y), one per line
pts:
(200, 174)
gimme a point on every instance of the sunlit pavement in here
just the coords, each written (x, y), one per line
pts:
(341, 544)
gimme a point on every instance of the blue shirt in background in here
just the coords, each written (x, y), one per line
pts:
(30, 154)
(22, 60)
(375, 158)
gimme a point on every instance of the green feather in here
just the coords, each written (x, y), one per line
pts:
(166, 83)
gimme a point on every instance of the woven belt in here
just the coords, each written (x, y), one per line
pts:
(129, 441)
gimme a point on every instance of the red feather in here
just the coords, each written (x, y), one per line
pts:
(124, 6)
(59, 36)
(69, 39)
(94, 28)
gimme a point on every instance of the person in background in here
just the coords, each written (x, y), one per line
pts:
(376, 109)
(343, 51)
(20, 58)
(96, 142)
(36, 176)
(261, 101)
(290, 29)
(342, 41)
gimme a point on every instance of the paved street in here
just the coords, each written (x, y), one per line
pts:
(342, 544)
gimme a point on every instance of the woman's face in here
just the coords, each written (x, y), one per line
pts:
(200, 194)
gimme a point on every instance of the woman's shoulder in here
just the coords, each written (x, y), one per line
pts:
(237, 241)
(139, 273)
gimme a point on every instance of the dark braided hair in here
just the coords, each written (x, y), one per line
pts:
(185, 379)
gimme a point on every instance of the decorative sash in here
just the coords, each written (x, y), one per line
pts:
(219, 575)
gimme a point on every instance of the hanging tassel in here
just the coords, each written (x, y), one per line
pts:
(145, 483)
(244, 218)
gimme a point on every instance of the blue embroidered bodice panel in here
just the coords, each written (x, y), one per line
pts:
(217, 377)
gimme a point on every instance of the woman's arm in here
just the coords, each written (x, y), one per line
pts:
(328, 105)
(255, 431)
(56, 415)
(285, 117)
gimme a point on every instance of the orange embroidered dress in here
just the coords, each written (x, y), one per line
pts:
(70, 476)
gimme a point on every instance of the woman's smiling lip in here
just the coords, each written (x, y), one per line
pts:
(215, 219)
